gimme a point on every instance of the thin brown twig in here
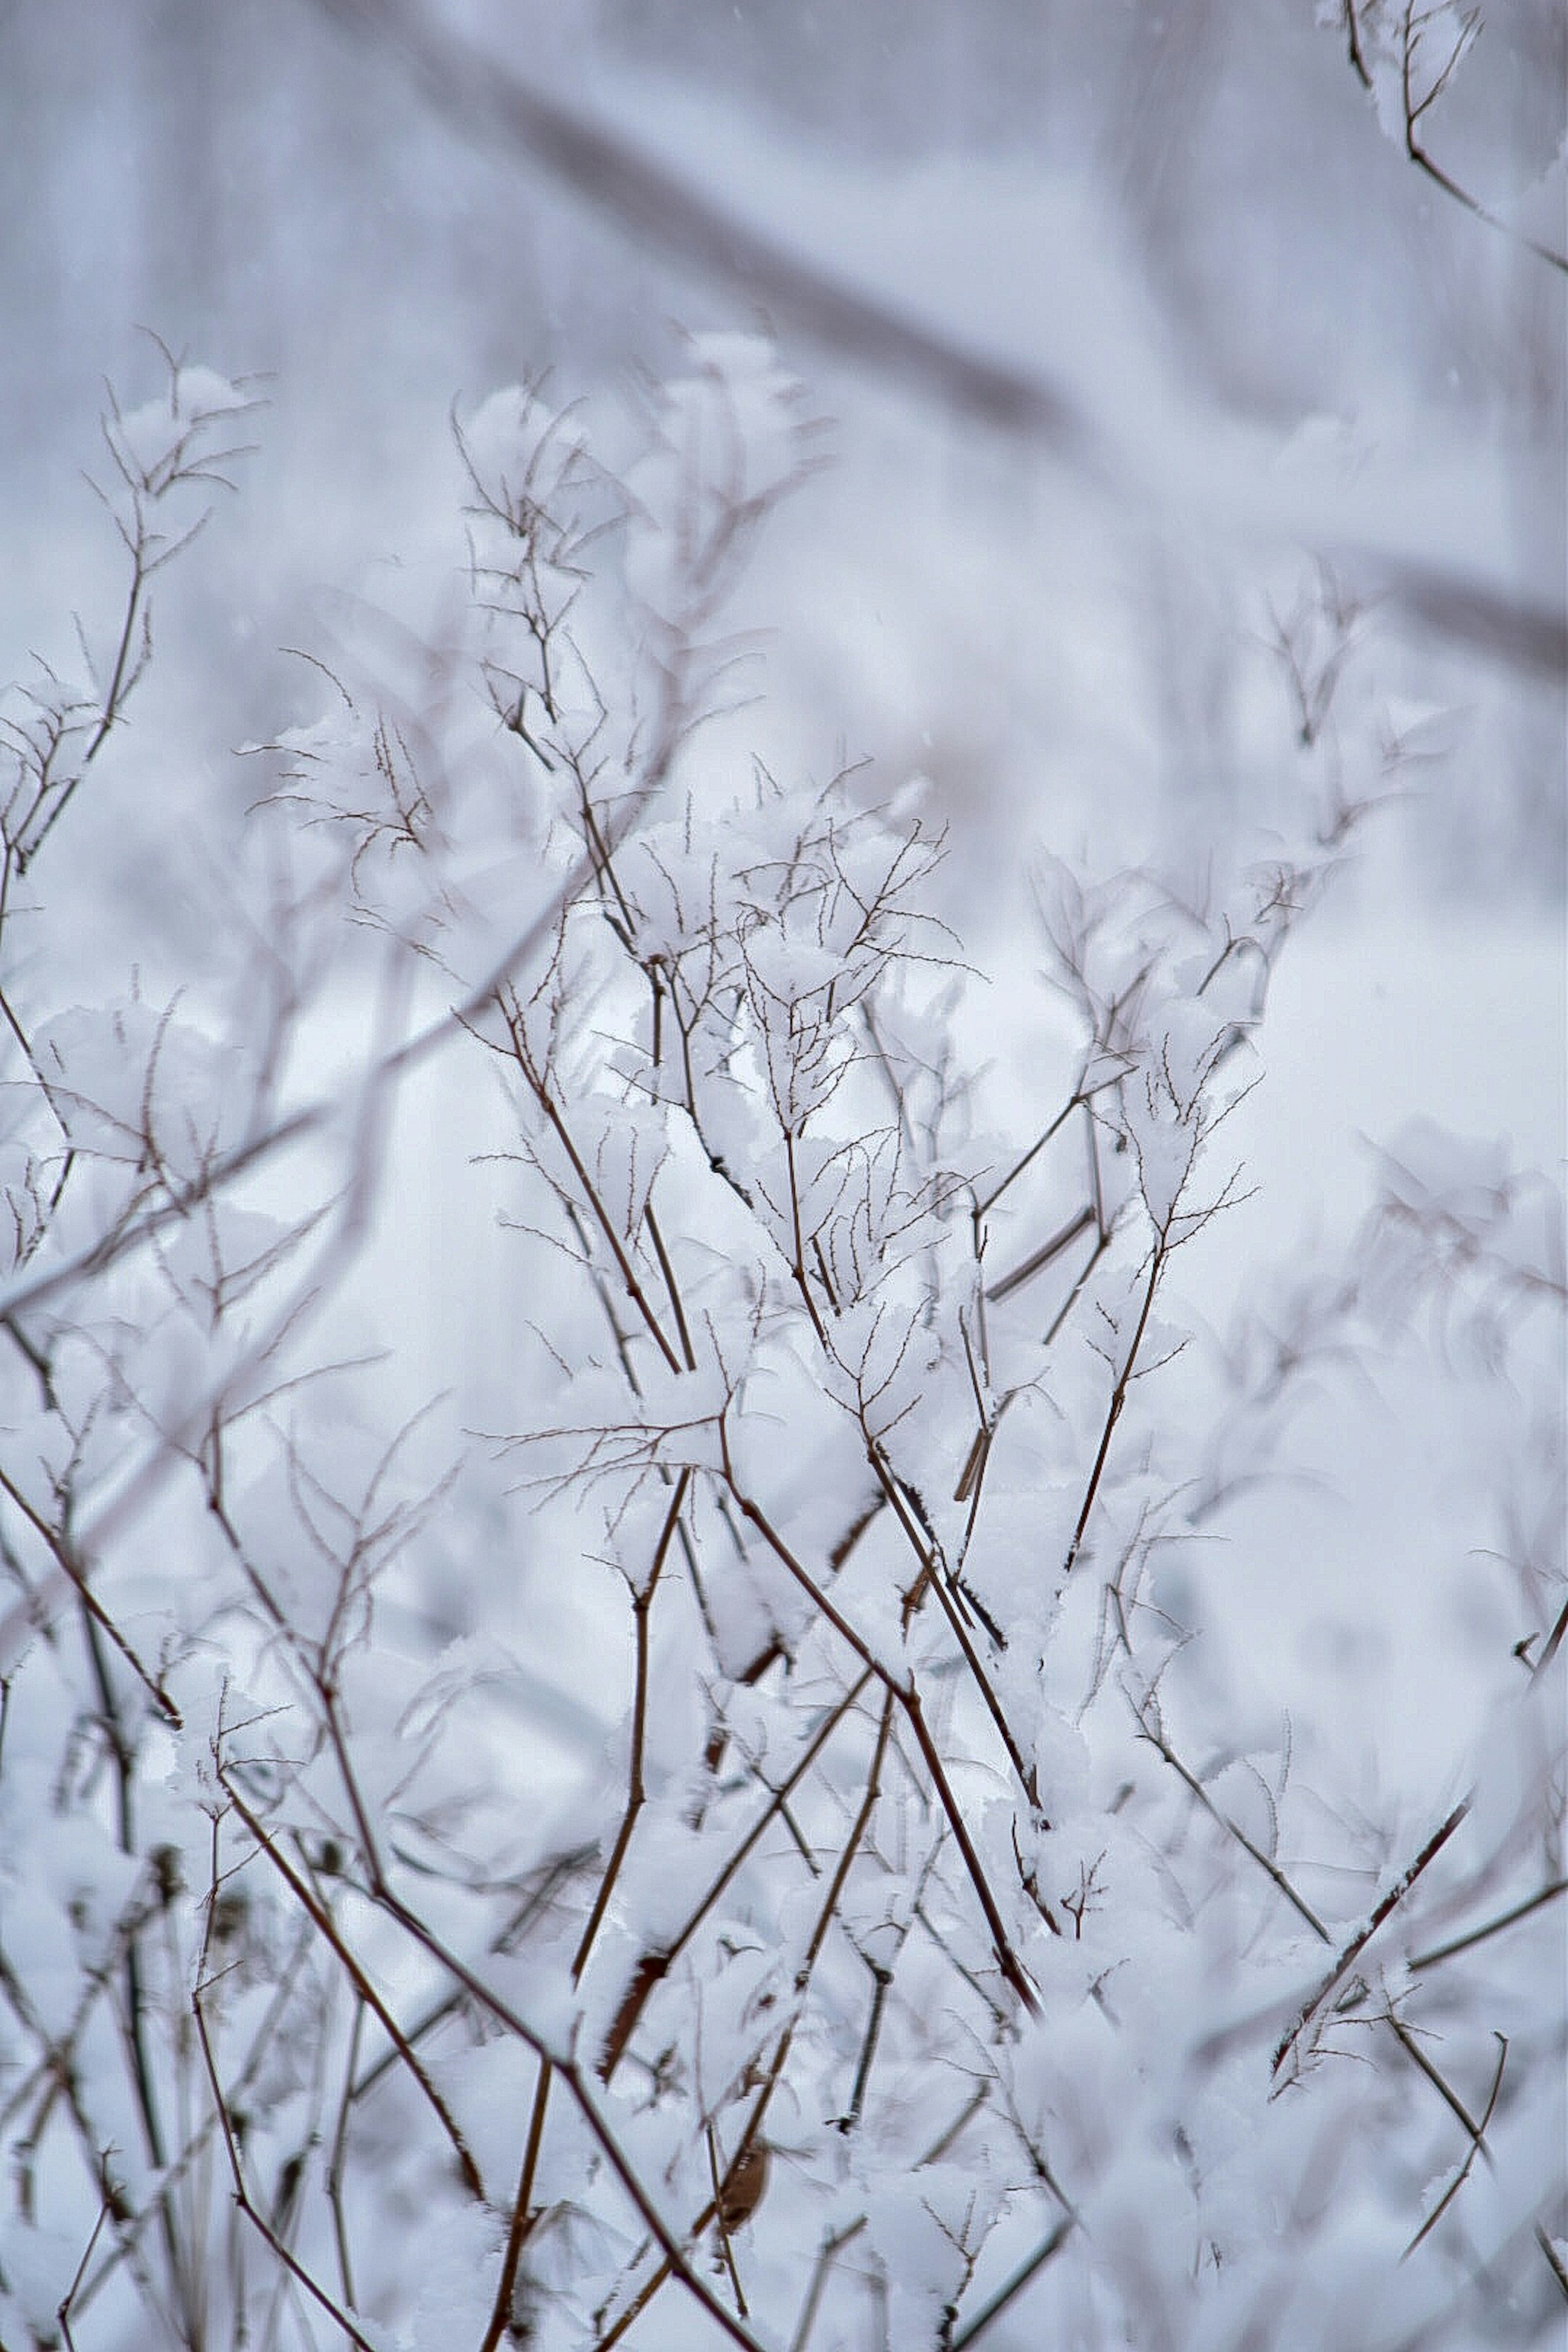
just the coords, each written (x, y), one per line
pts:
(750, 2145)
(522, 2216)
(642, 1601)
(655, 1966)
(908, 1698)
(252, 2212)
(827, 2254)
(1363, 1936)
(1153, 1731)
(576, 2084)
(1473, 1935)
(327, 1927)
(1478, 2147)
(1414, 26)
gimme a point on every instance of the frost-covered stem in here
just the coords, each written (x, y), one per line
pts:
(252, 2212)
(338, 2153)
(231, 1536)
(571, 2075)
(754, 1515)
(1152, 1730)
(522, 2217)
(972, 1476)
(655, 1966)
(827, 1914)
(144, 1220)
(1118, 1399)
(974, 2329)
(540, 1088)
(1059, 1321)
(982, 1207)
(326, 1926)
(133, 2025)
(749, 2141)
(672, 1288)
(1006, 1958)
(623, 922)
(123, 678)
(642, 1601)
(58, 2067)
(199, 2136)
(1478, 2147)
(905, 1697)
(124, 1760)
(185, 461)
(932, 1576)
(1023, 1771)
(827, 2254)
(24, 1041)
(1414, 26)
(1554, 2262)
(1439, 2081)
(1039, 1259)
(64, 1555)
(797, 1265)
(1352, 1951)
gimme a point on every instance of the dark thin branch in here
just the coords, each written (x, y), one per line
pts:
(1150, 1725)
(1474, 1936)
(1358, 1941)
(641, 1603)
(1417, 23)
(1114, 1409)
(654, 1967)
(522, 2216)
(1478, 2147)
(974, 2329)
(909, 1700)
(252, 2212)
(327, 1927)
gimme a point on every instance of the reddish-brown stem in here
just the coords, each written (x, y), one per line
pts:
(908, 1698)
(522, 2215)
(577, 2087)
(1118, 1399)
(654, 1967)
(63, 1554)
(1358, 1943)
(327, 1927)
(1148, 1724)
(713, 2211)
(641, 1603)
(252, 2212)
(1477, 2139)
(590, 1192)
